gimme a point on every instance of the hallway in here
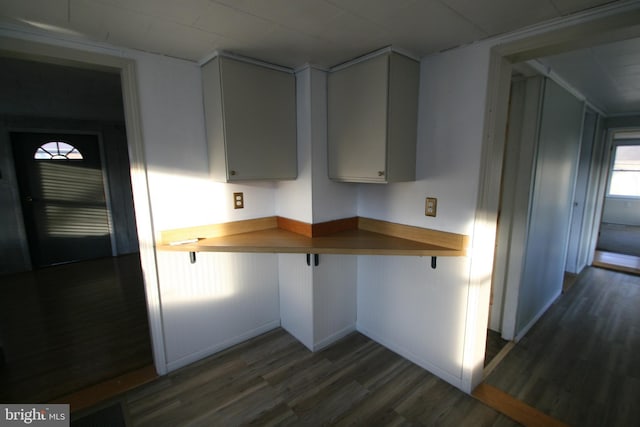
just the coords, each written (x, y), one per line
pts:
(579, 363)
(66, 327)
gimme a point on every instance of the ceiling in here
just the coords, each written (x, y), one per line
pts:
(608, 74)
(325, 32)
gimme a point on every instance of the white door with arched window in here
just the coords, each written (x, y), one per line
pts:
(62, 196)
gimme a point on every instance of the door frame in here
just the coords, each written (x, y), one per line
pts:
(38, 49)
(105, 181)
(606, 24)
(603, 183)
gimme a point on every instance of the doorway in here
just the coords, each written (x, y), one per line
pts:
(69, 189)
(62, 194)
(618, 244)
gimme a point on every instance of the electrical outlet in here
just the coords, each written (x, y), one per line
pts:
(238, 200)
(431, 206)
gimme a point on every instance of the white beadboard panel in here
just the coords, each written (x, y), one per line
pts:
(296, 297)
(220, 300)
(334, 298)
(415, 310)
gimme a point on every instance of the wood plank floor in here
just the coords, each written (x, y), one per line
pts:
(495, 344)
(580, 362)
(275, 380)
(67, 327)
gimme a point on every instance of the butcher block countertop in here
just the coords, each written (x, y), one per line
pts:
(354, 236)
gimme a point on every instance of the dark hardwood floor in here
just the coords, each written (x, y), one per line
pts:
(66, 327)
(495, 344)
(580, 363)
(275, 380)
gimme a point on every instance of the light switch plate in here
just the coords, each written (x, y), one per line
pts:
(431, 206)
(238, 200)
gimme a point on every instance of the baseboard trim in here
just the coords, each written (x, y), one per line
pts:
(452, 379)
(334, 337)
(537, 317)
(199, 355)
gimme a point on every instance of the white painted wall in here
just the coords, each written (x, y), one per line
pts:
(221, 300)
(182, 194)
(331, 200)
(334, 298)
(296, 297)
(294, 198)
(620, 210)
(317, 303)
(551, 203)
(416, 311)
(583, 210)
(419, 312)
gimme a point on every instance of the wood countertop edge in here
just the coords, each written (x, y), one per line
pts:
(321, 251)
(291, 240)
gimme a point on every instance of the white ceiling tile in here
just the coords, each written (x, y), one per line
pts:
(380, 12)
(431, 26)
(501, 16)
(290, 49)
(328, 32)
(627, 71)
(51, 12)
(111, 24)
(353, 30)
(628, 82)
(566, 7)
(182, 11)
(595, 79)
(621, 47)
(308, 16)
(232, 23)
(182, 41)
(619, 55)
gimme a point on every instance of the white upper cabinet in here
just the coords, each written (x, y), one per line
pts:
(373, 119)
(250, 113)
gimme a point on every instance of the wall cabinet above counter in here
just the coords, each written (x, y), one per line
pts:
(373, 119)
(250, 117)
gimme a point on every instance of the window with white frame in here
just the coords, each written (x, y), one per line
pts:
(624, 179)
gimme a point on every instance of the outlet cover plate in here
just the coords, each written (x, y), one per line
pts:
(238, 200)
(431, 206)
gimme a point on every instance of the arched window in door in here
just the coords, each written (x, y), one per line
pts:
(57, 150)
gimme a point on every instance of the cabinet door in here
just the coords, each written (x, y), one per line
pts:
(357, 120)
(259, 111)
